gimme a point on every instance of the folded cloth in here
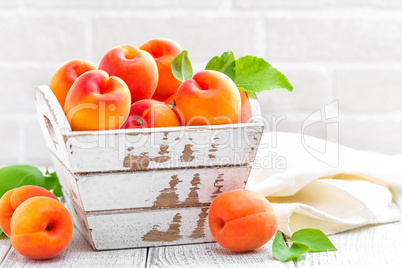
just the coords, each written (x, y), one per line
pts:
(333, 190)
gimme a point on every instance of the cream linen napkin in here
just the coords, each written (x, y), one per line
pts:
(334, 189)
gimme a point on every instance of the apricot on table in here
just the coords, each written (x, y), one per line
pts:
(41, 228)
(65, 76)
(135, 66)
(242, 220)
(151, 113)
(15, 197)
(97, 102)
(209, 98)
(164, 51)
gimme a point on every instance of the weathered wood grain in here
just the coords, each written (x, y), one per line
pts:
(5, 246)
(151, 189)
(150, 148)
(150, 228)
(80, 254)
(161, 148)
(53, 123)
(370, 246)
(211, 255)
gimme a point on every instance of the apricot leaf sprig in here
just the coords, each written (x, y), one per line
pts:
(224, 64)
(181, 67)
(12, 177)
(303, 241)
(249, 73)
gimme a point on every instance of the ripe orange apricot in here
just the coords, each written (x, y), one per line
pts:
(97, 102)
(242, 220)
(151, 113)
(170, 99)
(209, 98)
(41, 228)
(65, 76)
(135, 66)
(15, 197)
(164, 51)
(171, 103)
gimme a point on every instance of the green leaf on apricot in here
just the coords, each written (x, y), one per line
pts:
(313, 238)
(224, 64)
(283, 253)
(255, 74)
(181, 67)
(12, 177)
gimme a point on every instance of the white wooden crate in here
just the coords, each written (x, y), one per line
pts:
(146, 187)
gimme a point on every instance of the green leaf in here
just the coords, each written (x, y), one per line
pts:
(224, 64)
(282, 253)
(256, 75)
(2, 234)
(181, 67)
(53, 184)
(16, 176)
(315, 239)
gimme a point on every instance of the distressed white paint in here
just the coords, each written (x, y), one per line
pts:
(143, 228)
(170, 147)
(153, 189)
(79, 218)
(135, 229)
(53, 123)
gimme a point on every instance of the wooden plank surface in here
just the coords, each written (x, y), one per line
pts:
(370, 246)
(80, 254)
(5, 246)
(211, 255)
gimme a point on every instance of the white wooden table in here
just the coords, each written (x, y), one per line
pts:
(371, 246)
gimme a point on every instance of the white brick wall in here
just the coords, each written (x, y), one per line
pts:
(348, 50)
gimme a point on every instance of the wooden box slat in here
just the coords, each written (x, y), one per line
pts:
(151, 189)
(151, 148)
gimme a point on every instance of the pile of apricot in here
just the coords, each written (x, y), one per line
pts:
(135, 88)
(39, 226)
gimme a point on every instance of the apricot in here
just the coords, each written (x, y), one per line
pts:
(170, 99)
(245, 108)
(151, 113)
(41, 228)
(65, 76)
(171, 103)
(135, 66)
(15, 197)
(164, 51)
(242, 220)
(97, 102)
(209, 98)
